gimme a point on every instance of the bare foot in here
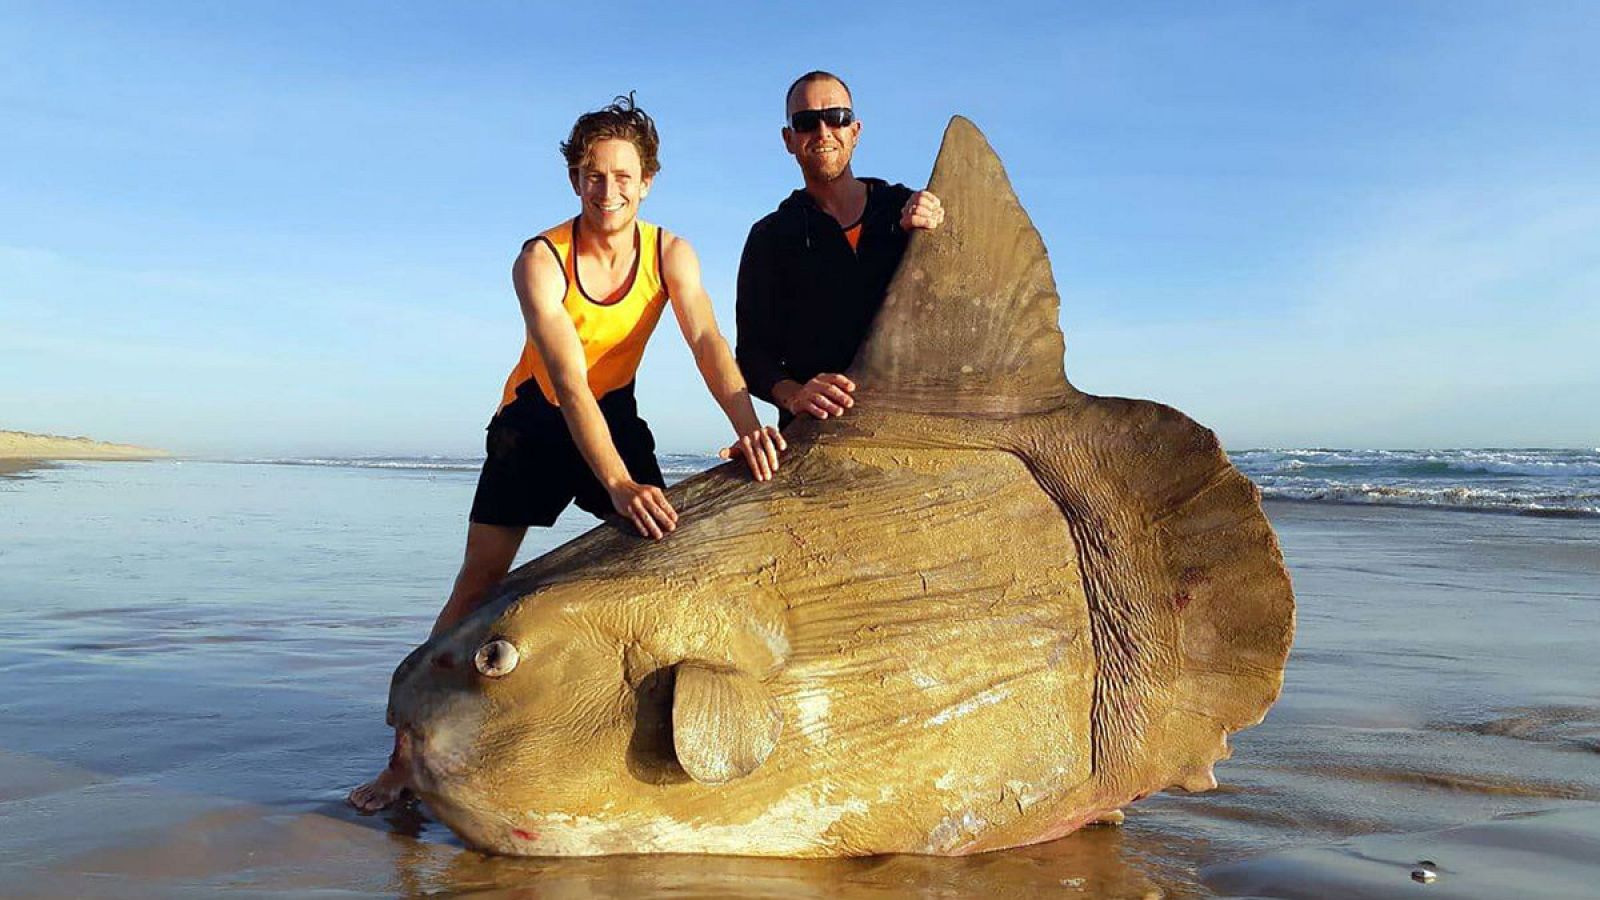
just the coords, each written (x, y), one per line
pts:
(388, 789)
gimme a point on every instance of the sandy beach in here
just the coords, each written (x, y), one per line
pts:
(21, 451)
(197, 657)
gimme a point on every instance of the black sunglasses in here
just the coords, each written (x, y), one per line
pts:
(807, 120)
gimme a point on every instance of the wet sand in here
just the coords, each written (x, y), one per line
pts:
(1551, 853)
(196, 658)
(12, 467)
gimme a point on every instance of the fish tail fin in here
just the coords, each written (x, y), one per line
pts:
(1190, 603)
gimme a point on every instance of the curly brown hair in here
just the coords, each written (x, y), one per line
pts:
(623, 120)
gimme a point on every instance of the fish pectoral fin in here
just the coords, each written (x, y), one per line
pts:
(724, 722)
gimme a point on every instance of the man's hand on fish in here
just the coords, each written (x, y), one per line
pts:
(760, 450)
(646, 506)
(922, 210)
(826, 395)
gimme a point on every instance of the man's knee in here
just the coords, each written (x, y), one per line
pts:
(488, 544)
(490, 551)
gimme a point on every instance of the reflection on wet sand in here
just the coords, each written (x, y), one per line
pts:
(1547, 854)
(1573, 727)
(1094, 863)
(106, 839)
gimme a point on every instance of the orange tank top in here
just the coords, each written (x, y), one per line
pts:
(613, 332)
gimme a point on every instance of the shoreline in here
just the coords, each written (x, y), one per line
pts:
(1532, 513)
(15, 464)
(15, 467)
(22, 451)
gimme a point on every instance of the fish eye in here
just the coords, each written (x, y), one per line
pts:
(496, 658)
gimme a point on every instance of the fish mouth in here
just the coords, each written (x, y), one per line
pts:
(435, 754)
(436, 720)
(426, 768)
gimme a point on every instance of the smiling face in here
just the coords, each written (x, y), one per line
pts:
(611, 183)
(823, 154)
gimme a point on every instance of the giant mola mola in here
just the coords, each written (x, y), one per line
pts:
(979, 611)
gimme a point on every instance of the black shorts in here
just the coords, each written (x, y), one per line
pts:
(533, 469)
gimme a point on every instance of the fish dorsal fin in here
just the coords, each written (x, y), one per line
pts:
(969, 322)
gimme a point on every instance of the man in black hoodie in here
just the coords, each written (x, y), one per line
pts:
(814, 273)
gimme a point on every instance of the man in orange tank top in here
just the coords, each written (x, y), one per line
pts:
(591, 291)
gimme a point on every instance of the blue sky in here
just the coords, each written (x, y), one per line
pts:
(269, 228)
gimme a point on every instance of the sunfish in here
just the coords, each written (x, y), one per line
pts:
(981, 610)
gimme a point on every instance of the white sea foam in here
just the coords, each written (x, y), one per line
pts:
(1527, 480)
(1574, 463)
(671, 463)
(366, 462)
(1535, 481)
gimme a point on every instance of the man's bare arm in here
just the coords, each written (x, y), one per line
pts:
(757, 444)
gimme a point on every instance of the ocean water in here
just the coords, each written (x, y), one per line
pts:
(195, 659)
(1527, 481)
(674, 466)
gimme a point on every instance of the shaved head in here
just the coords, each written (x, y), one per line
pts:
(807, 78)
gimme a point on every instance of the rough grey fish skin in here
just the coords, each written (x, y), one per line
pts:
(979, 611)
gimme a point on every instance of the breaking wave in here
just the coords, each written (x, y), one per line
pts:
(1526, 481)
(679, 464)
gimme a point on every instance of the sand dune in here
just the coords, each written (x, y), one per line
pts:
(20, 445)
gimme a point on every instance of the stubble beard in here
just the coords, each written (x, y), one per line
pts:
(826, 170)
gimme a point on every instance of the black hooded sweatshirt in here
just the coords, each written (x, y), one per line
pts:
(805, 298)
